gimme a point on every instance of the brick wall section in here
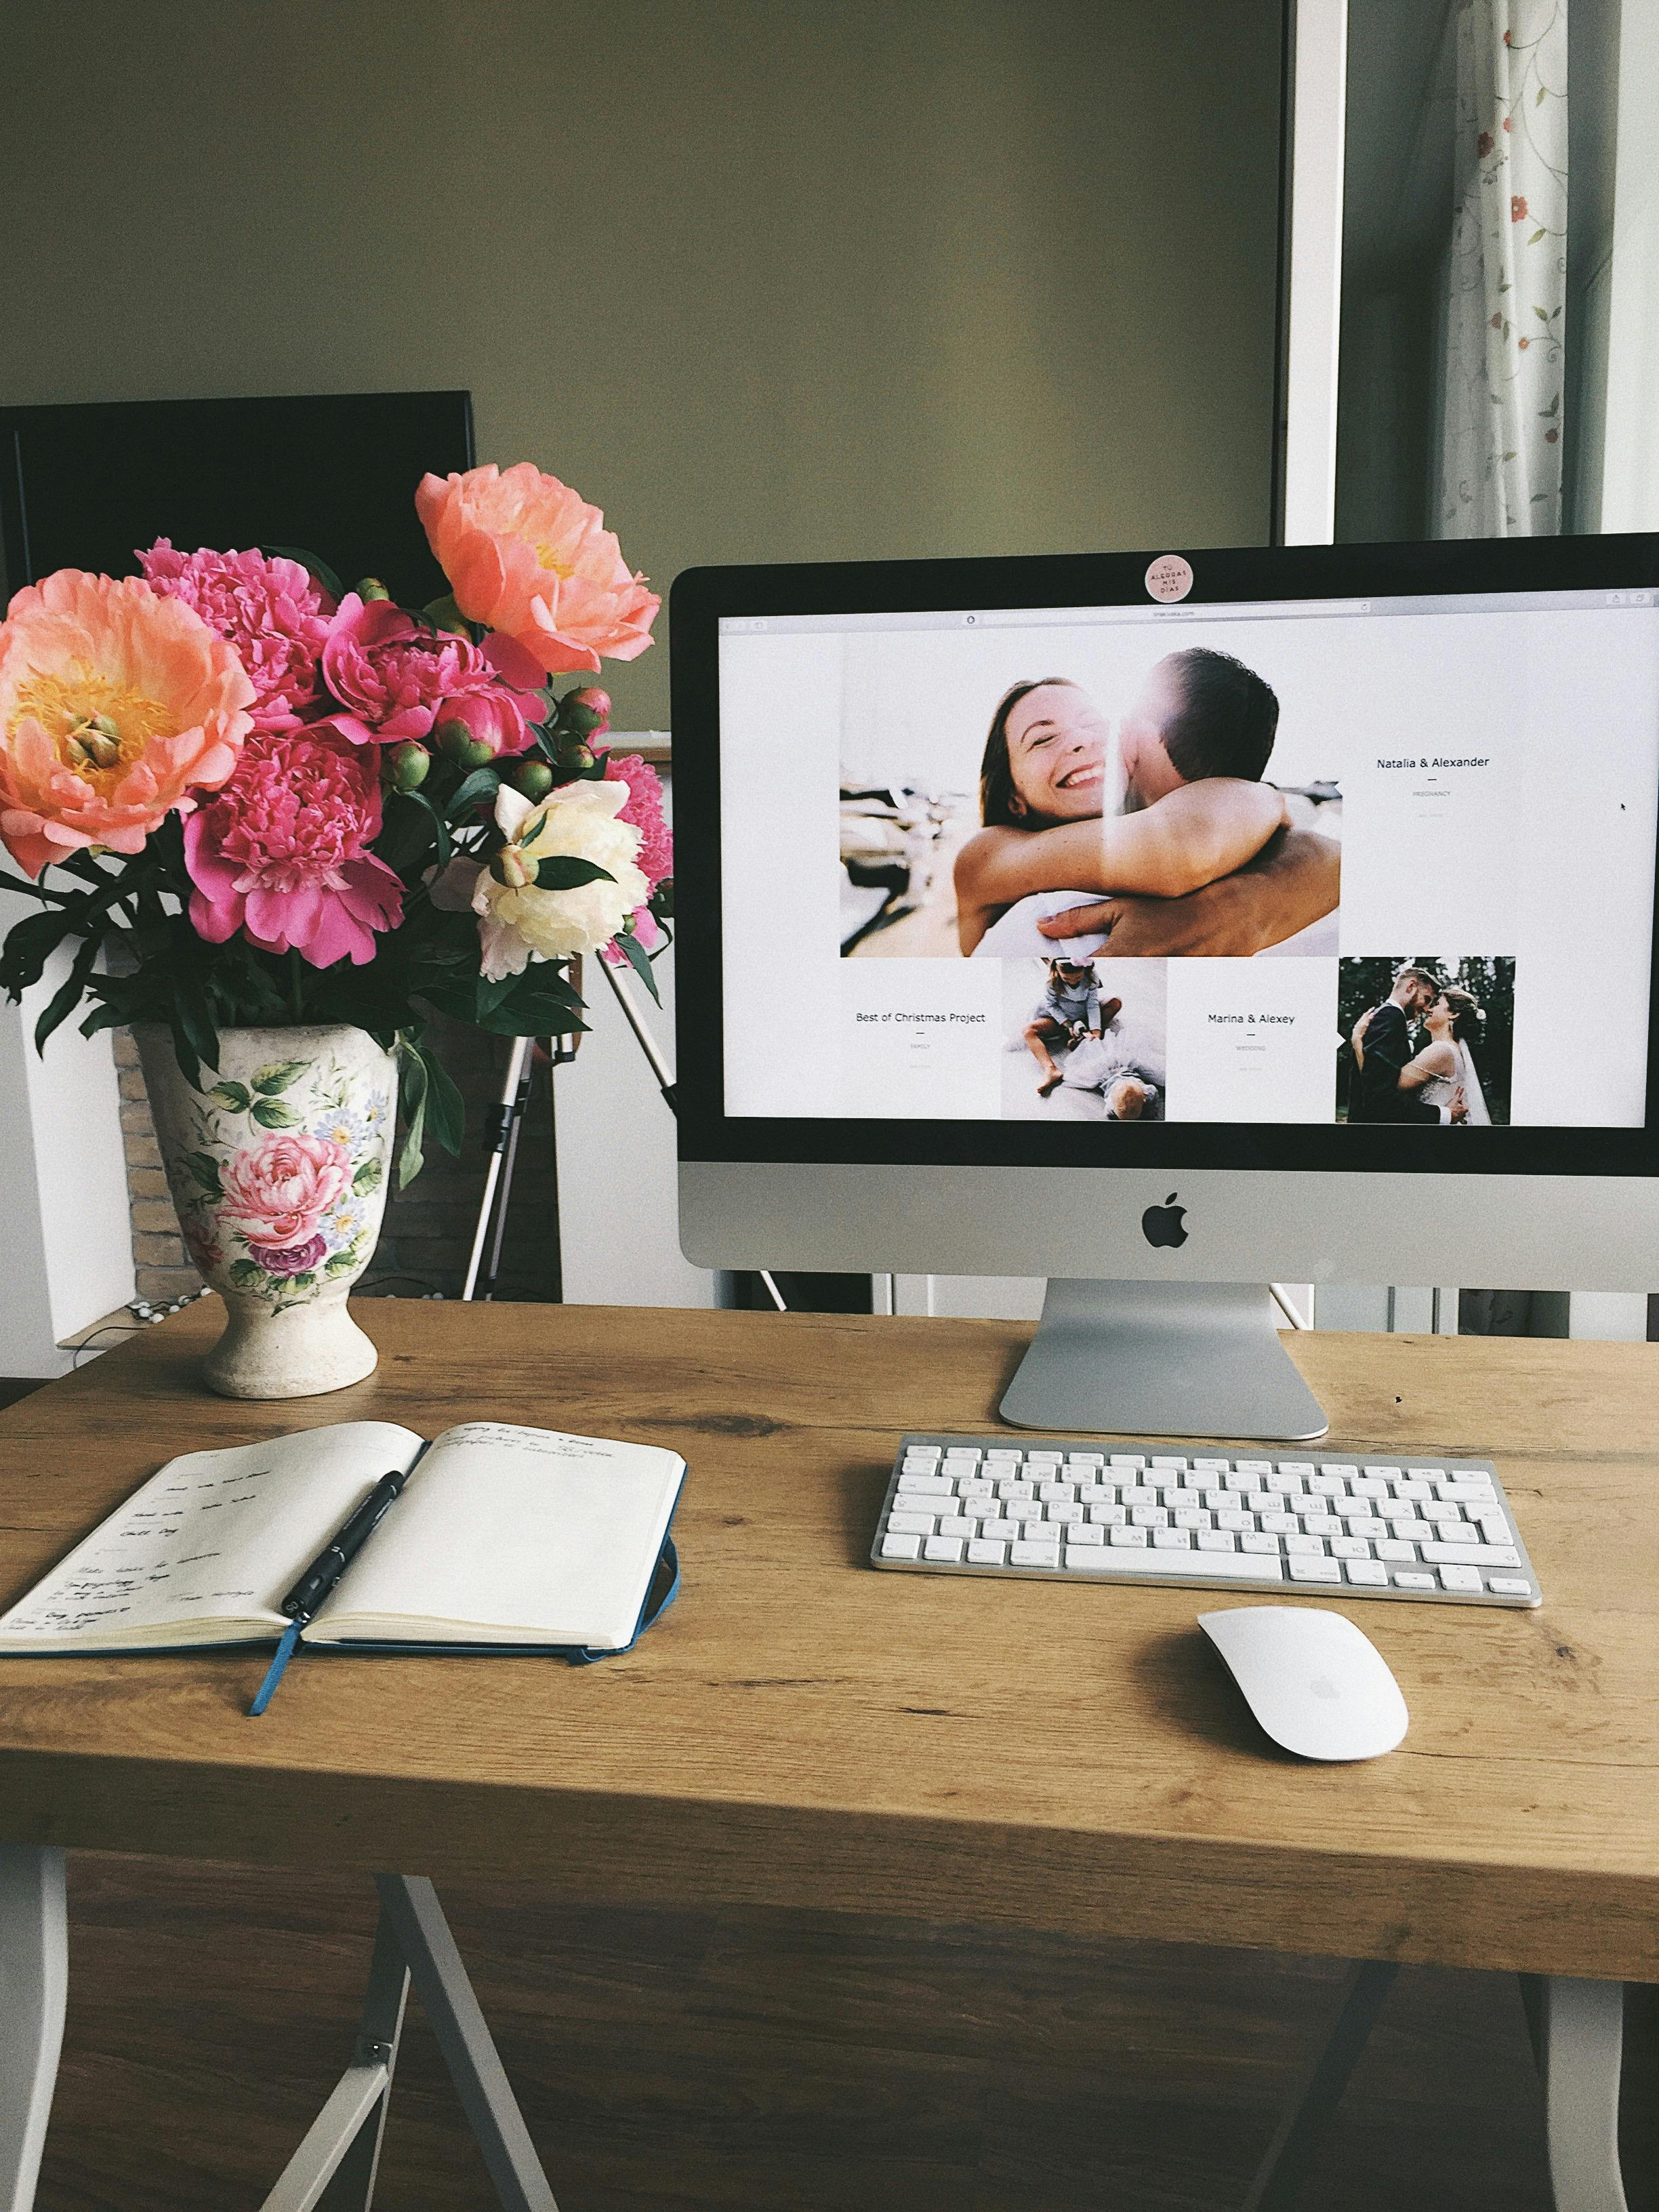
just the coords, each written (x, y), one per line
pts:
(428, 1230)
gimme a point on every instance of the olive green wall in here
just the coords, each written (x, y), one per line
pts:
(767, 281)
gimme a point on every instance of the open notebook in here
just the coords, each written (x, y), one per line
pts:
(503, 1538)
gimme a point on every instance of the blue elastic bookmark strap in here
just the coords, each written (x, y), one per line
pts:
(668, 1565)
(273, 1673)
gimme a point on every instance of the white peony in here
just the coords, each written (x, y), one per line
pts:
(518, 920)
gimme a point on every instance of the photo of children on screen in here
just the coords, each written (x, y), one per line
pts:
(1091, 1048)
(1150, 833)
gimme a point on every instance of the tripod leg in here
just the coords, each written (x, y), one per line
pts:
(499, 1129)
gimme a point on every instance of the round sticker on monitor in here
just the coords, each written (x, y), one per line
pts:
(1169, 577)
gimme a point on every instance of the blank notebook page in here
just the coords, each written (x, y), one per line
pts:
(514, 1535)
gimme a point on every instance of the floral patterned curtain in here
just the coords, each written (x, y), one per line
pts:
(1501, 441)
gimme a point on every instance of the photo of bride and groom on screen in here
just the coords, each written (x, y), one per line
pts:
(1151, 832)
(1425, 1043)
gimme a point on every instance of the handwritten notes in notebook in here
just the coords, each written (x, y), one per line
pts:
(211, 1543)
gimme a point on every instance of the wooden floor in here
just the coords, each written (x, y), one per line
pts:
(733, 2062)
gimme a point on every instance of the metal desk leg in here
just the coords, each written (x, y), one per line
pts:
(1289, 2155)
(334, 2168)
(1578, 2036)
(34, 1984)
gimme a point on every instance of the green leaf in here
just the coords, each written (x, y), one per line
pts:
(342, 1263)
(204, 1169)
(411, 1097)
(232, 1096)
(368, 1176)
(29, 944)
(320, 569)
(446, 1107)
(639, 961)
(441, 828)
(483, 783)
(271, 1114)
(245, 1274)
(563, 872)
(70, 993)
(1533, 241)
(277, 1077)
(1542, 313)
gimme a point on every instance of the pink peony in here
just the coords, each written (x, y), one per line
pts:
(116, 705)
(270, 610)
(655, 859)
(525, 555)
(396, 679)
(282, 852)
(277, 1193)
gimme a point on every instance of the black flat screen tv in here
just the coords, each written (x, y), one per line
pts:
(83, 486)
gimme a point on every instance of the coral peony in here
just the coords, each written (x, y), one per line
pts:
(277, 1193)
(396, 678)
(115, 704)
(519, 920)
(525, 555)
(281, 853)
(270, 610)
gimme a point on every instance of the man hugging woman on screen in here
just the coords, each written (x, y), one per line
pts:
(1072, 831)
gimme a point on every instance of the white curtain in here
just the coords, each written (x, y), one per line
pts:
(1505, 327)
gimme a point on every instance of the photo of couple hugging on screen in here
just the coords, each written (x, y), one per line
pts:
(1150, 833)
(1425, 1043)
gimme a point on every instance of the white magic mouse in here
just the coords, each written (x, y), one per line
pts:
(1317, 1684)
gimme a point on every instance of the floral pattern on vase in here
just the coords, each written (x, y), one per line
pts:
(277, 1163)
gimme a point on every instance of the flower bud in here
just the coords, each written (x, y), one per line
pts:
(532, 777)
(371, 588)
(576, 758)
(452, 737)
(410, 763)
(510, 867)
(586, 710)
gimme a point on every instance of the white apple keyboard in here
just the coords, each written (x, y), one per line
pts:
(1416, 1526)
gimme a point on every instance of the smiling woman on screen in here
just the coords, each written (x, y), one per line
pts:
(1179, 805)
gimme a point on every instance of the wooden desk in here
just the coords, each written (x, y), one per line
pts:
(800, 1726)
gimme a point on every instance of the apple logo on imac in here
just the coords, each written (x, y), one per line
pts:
(1165, 1223)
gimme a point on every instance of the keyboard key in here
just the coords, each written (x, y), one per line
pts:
(1003, 1454)
(921, 1451)
(1383, 1473)
(1495, 1529)
(998, 1532)
(1138, 1494)
(1471, 1555)
(1108, 1517)
(943, 1551)
(967, 1452)
(1126, 1458)
(1219, 1466)
(1411, 1531)
(1412, 1491)
(1409, 1578)
(923, 1485)
(958, 1524)
(1507, 1586)
(1015, 1490)
(1426, 1473)
(1254, 1466)
(1169, 1459)
(983, 1554)
(1321, 1524)
(1300, 1469)
(1390, 1547)
(1305, 1547)
(1033, 1555)
(1086, 1532)
(1340, 1469)
(1085, 1459)
(1315, 1571)
(1232, 1518)
(1368, 1571)
(1221, 1566)
(1036, 1530)
(1217, 1540)
(1043, 1458)
(1191, 1517)
(1150, 1517)
(1366, 1524)
(1046, 1491)
(1130, 1539)
(901, 1547)
(1370, 1485)
(1171, 1540)
(1281, 1524)
(911, 1524)
(1063, 1510)
(1264, 1546)
(911, 1464)
(1342, 1548)
(1460, 1578)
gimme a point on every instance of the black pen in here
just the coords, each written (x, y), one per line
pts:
(321, 1575)
(326, 1569)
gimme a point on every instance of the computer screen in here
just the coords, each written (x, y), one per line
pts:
(334, 474)
(1355, 871)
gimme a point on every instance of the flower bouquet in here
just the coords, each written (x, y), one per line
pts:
(282, 822)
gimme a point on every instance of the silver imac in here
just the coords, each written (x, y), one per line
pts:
(1164, 924)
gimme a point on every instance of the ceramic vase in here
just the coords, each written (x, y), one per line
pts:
(277, 1163)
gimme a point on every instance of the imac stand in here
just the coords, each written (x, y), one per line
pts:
(1161, 1359)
